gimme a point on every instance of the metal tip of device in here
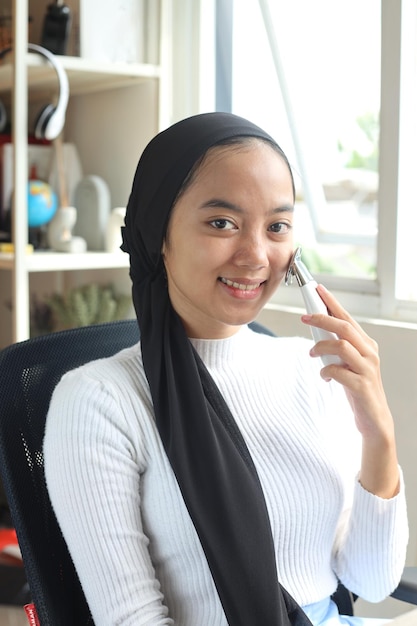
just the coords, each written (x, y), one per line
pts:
(298, 269)
(291, 267)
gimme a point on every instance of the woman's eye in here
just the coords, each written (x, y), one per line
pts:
(222, 224)
(279, 227)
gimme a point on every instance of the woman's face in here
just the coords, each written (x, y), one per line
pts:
(229, 239)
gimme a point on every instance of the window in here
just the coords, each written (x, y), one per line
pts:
(327, 80)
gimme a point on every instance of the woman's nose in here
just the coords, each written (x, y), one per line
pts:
(252, 251)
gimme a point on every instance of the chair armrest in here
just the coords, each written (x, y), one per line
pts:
(407, 589)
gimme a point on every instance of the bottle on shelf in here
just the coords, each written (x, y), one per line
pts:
(56, 27)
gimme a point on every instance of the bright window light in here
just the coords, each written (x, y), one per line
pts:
(327, 91)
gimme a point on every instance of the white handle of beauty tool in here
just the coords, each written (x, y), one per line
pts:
(314, 304)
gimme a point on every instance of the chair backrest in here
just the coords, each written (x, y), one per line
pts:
(29, 372)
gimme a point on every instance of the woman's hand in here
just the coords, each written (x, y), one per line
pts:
(360, 376)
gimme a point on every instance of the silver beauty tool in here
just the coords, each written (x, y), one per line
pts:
(312, 300)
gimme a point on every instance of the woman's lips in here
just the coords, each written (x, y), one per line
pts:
(241, 288)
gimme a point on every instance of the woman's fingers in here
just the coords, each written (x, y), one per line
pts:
(336, 310)
(341, 323)
(360, 371)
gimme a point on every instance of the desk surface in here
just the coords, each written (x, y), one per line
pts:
(12, 616)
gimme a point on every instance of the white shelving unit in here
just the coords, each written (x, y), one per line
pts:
(84, 76)
(25, 75)
(61, 262)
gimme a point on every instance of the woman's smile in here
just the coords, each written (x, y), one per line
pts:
(241, 288)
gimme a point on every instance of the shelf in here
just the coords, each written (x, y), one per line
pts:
(61, 261)
(27, 79)
(84, 76)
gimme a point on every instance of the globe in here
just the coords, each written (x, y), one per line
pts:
(42, 203)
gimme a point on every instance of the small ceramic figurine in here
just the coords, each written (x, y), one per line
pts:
(60, 237)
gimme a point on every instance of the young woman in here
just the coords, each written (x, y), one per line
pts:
(211, 475)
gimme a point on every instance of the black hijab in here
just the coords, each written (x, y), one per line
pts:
(210, 459)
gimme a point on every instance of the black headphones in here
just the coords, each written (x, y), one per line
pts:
(51, 119)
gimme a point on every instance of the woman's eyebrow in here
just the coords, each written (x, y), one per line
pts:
(225, 204)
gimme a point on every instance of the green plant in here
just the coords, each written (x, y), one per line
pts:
(90, 304)
(367, 159)
(316, 263)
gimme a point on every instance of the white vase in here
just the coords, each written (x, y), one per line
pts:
(115, 222)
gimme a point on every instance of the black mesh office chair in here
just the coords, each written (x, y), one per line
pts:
(29, 371)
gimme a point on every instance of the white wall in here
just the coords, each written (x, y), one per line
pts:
(110, 130)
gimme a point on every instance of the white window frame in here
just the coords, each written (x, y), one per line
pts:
(374, 299)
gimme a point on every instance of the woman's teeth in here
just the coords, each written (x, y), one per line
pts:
(231, 283)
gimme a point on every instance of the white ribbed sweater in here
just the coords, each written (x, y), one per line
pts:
(116, 498)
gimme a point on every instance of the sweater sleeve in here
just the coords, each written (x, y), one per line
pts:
(93, 476)
(371, 544)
